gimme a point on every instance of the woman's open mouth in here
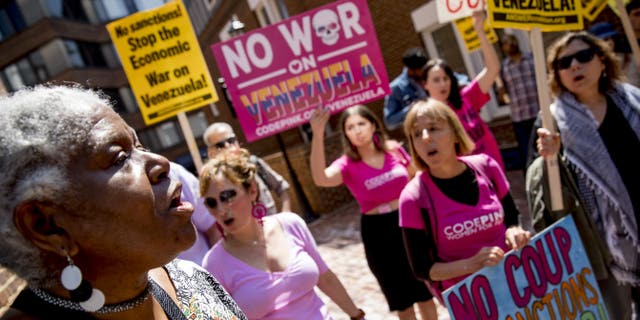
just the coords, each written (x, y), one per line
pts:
(177, 206)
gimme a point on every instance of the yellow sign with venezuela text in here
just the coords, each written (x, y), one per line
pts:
(163, 61)
(470, 36)
(548, 15)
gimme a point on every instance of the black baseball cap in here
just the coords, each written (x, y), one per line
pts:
(414, 58)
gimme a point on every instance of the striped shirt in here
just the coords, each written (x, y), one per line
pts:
(520, 81)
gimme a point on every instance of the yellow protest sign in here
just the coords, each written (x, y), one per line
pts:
(469, 35)
(592, 8)
(548, 15)
(162, 59)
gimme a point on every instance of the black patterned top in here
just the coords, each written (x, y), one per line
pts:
(201, 297)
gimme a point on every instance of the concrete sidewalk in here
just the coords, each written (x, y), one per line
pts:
(338, 237)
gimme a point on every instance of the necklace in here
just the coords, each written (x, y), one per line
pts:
(107, 308)
(257, 243)
(251, 243)
(254, 243)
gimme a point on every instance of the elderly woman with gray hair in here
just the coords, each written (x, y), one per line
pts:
(90, 218)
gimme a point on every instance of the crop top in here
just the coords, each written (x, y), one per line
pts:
(372, 187)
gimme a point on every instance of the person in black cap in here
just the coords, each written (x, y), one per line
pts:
(405, 88)
(607, 32)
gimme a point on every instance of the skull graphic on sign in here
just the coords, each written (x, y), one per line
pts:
(325, 23)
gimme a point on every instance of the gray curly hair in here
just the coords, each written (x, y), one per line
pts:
(42, 129)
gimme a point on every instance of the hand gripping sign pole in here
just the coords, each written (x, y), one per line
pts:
(553, 171)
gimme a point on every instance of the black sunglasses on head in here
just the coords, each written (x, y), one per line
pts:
(223, 144)
(583, 56)
(226, 197)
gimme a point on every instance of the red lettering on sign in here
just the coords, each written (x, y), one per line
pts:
(451, 9)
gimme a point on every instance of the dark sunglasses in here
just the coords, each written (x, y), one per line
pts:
(583, 56)
(226, 197)
(223, 144)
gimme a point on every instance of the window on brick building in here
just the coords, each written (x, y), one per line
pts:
(198, 123)
(19, 74)
(161, 136)
(11, 19)
(39, 66)
(84, 54)
(142, 5)
(11, 77)
(73, 52)
(168, 134)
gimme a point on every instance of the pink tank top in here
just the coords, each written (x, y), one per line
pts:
(372, 187)
(461, 229)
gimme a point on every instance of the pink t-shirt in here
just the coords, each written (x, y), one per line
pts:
(473, 99)
(462, 230)
(288, 294)
(372, 187)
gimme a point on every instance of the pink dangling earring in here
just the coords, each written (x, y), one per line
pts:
(258, 210)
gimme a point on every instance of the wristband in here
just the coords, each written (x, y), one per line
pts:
(359, 316)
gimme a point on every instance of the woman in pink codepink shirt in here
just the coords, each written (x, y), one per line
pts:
(375, 171)
(441, 84)
(457, 215)
(269, 264)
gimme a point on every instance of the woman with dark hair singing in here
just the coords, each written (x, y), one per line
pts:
(441, 84)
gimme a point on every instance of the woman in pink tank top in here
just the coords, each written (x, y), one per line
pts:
(375, 171)
(456, 215)
(441, 84)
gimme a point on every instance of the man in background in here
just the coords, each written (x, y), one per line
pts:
(220, 136)
(519, 83)
(405, 89)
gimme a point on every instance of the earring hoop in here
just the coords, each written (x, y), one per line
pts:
(258, 210)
